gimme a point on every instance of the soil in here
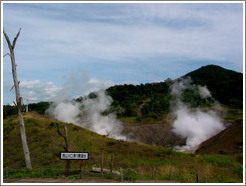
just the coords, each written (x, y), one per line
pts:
(228, 141)
(152, 133)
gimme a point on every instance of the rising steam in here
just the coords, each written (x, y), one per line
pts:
(192, 123)
(87, 113)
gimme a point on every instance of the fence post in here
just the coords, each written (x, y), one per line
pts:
(66, 168)
(197, 177)
(153, 174)
(42, 172)
(111, 162)
(128, 174)
(205, 180)
(170, 173)
(81, 169)
(121, 175)
(102, 165)
(7, 168)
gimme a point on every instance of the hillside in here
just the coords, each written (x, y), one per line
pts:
(228, 141)
(225, 85)
(45, 146)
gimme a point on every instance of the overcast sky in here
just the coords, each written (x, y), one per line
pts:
(85, 46)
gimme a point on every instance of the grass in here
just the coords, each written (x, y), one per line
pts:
(45, 146)
(219, 160)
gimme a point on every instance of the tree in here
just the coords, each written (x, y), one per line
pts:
(18, 99)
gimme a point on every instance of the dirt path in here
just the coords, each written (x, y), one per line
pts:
(85, 180)
(139, 113)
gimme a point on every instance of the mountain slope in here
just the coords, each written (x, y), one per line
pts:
(225, 85)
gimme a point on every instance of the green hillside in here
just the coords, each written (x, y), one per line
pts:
(225, 85)
(153, 101)
(45, 146)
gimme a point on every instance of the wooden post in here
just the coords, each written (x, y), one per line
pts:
(66, 167)
(121, 175)
(102, 165)
(153, 174)
(128, 174)
(111, 162)
(197, 177)
(81, 169)
(7, 169)
(42, 172)
(170, 174)
(205, 180)
(18, 99)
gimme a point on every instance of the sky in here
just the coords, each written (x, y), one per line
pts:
(86, 46)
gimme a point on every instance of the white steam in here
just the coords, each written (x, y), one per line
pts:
(204, 92)
(89, 112)
(194, 124)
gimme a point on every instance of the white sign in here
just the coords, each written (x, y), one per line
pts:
(74, 156)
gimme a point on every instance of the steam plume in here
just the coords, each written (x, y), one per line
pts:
(89, 112)
(192, 123)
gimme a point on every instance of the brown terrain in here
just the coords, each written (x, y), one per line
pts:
(152, 133)
(228, 141)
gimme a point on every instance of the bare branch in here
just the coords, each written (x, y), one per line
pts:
(15, 39)
(60, 132)
(14, 103)
(12, 87)
(7, 39)
(6, 54)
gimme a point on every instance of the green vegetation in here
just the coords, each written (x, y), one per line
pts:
(225, 85)
(45, 146)
(40, 108)
(153, 100)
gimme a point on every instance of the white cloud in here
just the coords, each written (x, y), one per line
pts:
(75, 85)
(58, 39)
(36, 90)
(139, 31)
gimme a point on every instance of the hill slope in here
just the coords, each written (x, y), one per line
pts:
(228, 141)
(225, 85)
(45, 146)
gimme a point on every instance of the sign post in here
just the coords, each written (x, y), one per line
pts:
(74, 156)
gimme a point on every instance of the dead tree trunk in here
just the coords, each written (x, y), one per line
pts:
(66, 147)
(18, 99)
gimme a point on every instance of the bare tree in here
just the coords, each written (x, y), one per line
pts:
(18, 99)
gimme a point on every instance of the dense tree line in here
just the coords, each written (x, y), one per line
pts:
(40, 108)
